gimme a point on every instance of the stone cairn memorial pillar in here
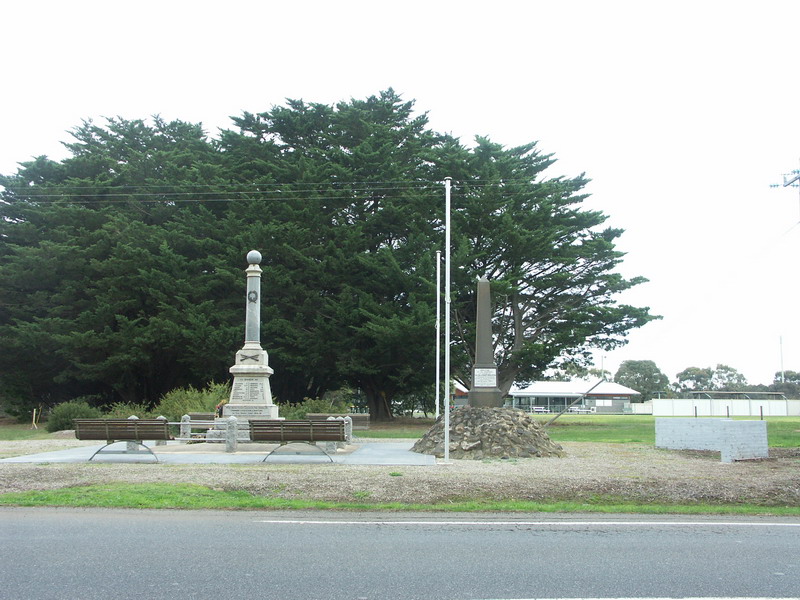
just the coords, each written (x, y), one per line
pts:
(484, 429)
(484, 391)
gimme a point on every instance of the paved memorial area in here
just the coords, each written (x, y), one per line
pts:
(175, 453)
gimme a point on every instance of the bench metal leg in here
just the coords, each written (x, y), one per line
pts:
(287, 443)
(123, 451)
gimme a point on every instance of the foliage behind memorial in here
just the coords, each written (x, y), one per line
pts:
(181, 401)
(314, 405)
(61, 416)
(121, 266)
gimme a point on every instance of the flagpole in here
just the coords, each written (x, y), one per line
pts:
(438, 333)
(447, 319)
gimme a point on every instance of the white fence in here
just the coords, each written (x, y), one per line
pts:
(721, 407)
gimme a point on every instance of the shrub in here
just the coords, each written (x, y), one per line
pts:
(123, 410)
(313, 405)
(62, 415)
(176, 403)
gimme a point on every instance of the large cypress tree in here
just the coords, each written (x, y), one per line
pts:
(353, 217)
(113, 284)
(551, 263)
(121, 265)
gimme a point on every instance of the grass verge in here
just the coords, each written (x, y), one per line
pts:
(196, 497)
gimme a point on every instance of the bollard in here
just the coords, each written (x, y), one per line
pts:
(132, 446)
(186, 427)
(231, 434)
(348, 432)
(348, 429)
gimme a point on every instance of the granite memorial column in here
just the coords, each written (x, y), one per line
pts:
(251, 395)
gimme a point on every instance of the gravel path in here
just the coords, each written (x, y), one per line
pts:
(631, 472)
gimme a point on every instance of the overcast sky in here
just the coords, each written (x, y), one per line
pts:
(681, 112)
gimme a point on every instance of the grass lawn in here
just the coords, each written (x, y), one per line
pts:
(400, 427)
(601, 428)
(10, 430)
(782, 432)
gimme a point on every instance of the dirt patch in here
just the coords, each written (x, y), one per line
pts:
(784, 452)
(635, 473)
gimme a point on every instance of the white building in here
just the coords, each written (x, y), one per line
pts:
(554, 396)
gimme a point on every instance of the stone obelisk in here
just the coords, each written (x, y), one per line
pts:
(484, 390)
(251, 395)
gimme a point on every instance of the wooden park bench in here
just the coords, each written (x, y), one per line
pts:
(290, 432)
(122, 430)
(202, 416)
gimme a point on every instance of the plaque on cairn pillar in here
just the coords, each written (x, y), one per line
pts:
(251, 395)
(484, 390)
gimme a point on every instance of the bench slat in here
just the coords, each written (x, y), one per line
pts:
(121, 429)
(296, 431)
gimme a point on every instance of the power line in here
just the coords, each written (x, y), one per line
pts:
(253, 192)
(344, 185)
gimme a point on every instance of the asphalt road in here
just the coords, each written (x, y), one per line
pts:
(100, 554)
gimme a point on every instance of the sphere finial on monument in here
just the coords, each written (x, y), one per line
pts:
(254, 257)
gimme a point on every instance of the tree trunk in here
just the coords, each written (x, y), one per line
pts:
(378, 401)
(508, 374)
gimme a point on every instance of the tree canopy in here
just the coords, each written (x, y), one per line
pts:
(787, 382)
(121, 266)
(643, 376)
(721, 378)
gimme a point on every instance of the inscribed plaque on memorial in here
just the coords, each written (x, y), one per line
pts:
(248, 389)
(484, 378)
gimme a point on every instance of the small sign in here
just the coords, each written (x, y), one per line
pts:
(484, 378)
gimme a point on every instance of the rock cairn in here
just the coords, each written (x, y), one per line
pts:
(480, 432)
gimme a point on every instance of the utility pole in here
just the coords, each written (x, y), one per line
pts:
(789, 179)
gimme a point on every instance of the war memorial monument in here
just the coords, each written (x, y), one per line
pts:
(251, 396)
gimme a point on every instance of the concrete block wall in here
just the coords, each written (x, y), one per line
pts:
(744, 439)
(688, 434)
(735, 440)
